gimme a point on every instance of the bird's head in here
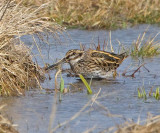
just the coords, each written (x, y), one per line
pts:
(73, 56)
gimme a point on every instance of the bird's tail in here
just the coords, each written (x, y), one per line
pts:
(123, 56)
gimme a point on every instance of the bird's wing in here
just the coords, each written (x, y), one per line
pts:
(106, 60)
(107, 56)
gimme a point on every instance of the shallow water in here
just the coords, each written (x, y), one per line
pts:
(32, 112)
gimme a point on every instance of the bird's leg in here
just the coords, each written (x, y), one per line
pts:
(114, 74)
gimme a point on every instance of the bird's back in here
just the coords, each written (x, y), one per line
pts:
(110, 57)
(98, 63)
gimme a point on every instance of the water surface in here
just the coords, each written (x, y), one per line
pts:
(32, 112)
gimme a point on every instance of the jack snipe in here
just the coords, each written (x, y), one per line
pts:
(92, 63)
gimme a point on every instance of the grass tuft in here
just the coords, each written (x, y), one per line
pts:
(145, 48)
(101, 14)
(156, 95)
(6, 126)
(142, 93)
(17, 70)
(150, 125)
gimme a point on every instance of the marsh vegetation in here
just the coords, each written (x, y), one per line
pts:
(101, 14)
(20, 69)
(17, 68)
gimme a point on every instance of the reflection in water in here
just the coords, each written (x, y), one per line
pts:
(32, 112)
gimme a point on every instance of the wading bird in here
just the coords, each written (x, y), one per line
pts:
(92, 63)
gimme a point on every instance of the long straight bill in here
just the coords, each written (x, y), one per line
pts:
(56, 64)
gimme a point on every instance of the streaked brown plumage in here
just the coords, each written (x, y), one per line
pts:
(92, 63)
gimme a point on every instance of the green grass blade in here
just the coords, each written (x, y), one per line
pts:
(86, 84)
(154, 95)
(157, 93)
(139, 93)
(62, 85)
(144, 94)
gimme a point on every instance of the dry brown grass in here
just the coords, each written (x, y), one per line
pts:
(102, 13)
(151, 126)
(6, 125)
(17, 70)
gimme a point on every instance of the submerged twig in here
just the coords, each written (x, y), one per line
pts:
(133, 74)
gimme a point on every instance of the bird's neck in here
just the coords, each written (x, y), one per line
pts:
(73, 62)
